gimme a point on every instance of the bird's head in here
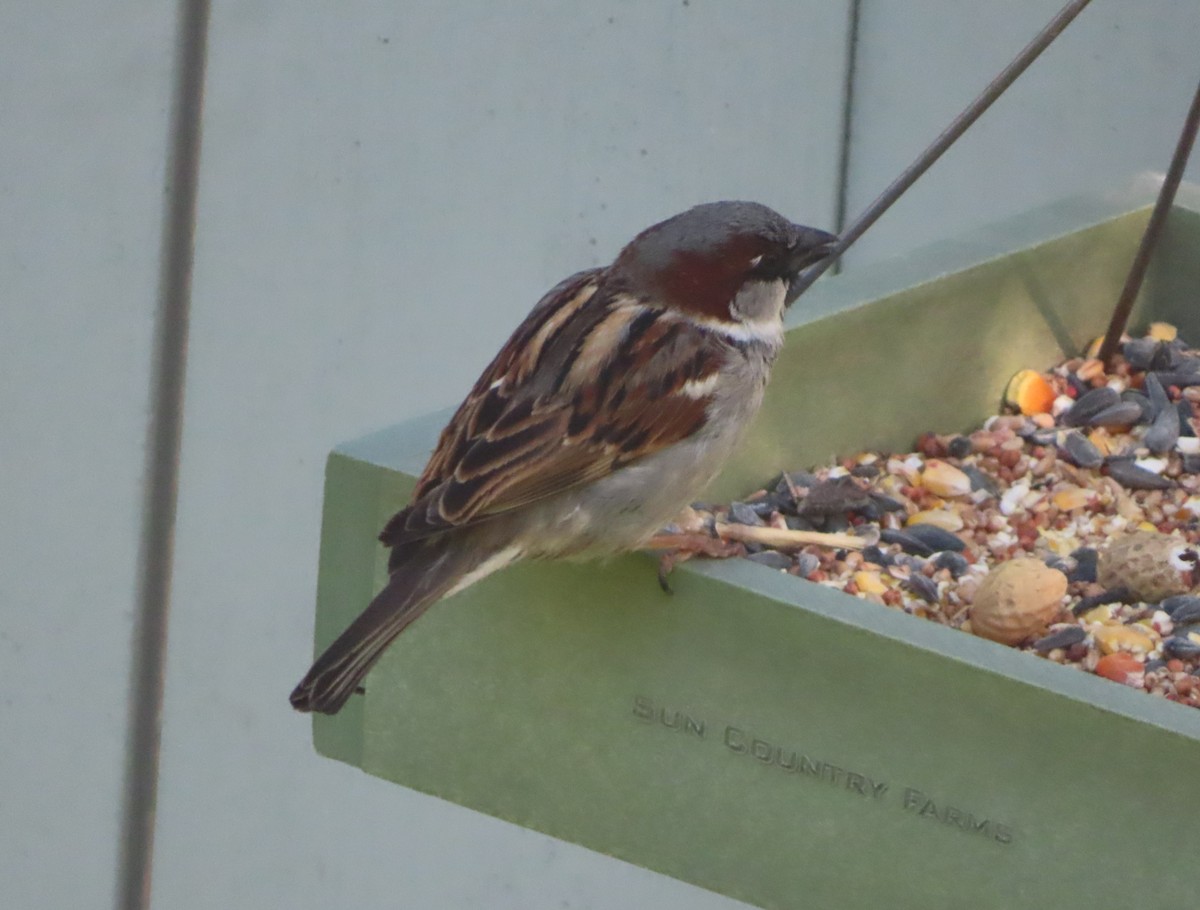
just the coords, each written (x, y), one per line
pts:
(730, 263)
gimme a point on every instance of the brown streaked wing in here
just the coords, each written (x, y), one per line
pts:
(515, 361)
(531, 449)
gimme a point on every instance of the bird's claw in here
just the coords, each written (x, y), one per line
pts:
(681, 547)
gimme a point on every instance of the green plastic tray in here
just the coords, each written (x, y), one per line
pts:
(774, 740)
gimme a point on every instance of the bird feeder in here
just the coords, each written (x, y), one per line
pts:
(778, 741)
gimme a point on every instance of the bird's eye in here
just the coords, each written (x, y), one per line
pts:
(755, 261)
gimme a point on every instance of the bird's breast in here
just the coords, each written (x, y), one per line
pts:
(620, 511)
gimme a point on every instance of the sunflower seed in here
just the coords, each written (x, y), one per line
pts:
(1182, 608)
(886, 503)
(1080, 450)
(1088, 406)
(1178, 378)
(1164, 432)
(1086, 559)
(1121, 414)
(744, 514)
(956, 563)
(1155, 392)
(1063, 638)
(1147, 409)
(1140, 352)
(923, 586)
(1111, 596)
(1167, 356)
(981, 480)
(906, 542)
(875, 555)
(1180, 647)
(1130, 476)
(937, 539)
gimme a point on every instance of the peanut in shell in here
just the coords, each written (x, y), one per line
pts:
(1017, 599)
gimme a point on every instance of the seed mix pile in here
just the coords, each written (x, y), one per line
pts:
(1066, 526)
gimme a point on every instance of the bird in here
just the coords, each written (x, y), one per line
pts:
(613, 404)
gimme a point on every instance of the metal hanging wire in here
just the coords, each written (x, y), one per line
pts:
(963, 122)
(957, 127)
(1158, 218)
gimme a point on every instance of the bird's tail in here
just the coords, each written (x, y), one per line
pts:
(426, 571)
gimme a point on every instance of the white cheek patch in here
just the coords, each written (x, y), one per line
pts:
(757, 312)
(760, 301)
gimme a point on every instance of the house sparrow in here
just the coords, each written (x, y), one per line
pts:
(613, 404)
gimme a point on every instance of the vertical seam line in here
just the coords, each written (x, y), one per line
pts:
(163, 435)
(848, 87)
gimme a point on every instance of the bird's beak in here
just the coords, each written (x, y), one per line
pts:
(812, 246)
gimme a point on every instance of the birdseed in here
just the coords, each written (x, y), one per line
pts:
(1079, 459)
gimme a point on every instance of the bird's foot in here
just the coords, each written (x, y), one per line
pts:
(680, 547)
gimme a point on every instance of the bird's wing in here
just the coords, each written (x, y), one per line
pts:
(591, 381)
